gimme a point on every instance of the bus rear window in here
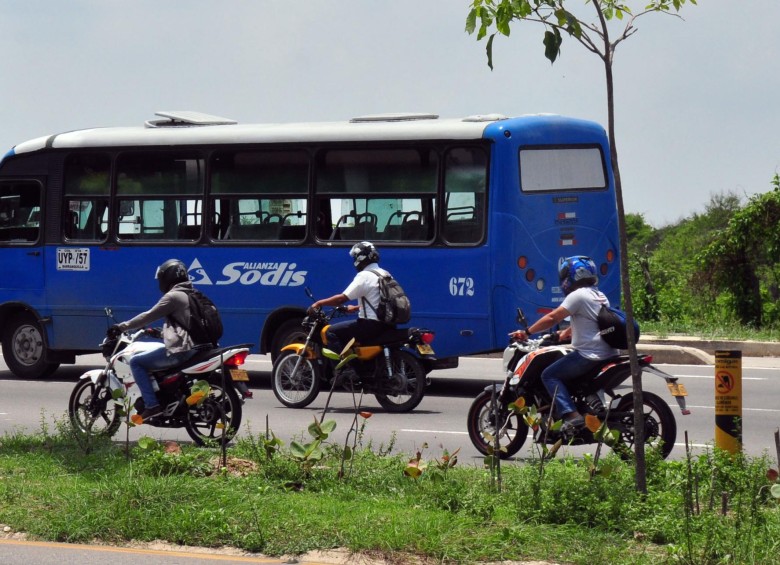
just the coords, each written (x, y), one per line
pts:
(570, 168)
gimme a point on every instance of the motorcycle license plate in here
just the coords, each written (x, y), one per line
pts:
(424, 349)
(239, 375)
(677, 389)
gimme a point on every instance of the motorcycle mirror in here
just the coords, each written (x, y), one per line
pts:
(521, 318)
(309, 293)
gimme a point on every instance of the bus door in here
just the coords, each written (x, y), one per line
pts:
(20, 235)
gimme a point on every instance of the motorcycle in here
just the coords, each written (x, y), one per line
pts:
(491, 418)
(204, 395)
(393, 367)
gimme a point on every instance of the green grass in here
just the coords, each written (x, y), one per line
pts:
(732, 332)
(272, 500)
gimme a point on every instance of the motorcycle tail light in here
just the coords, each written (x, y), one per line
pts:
(237, 359)
(427, 337)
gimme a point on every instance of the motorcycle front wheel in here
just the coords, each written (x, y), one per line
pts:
(219, 410)
(483, 430)
(92, 409)
(406, 385)
(295, 380)
(660, 425)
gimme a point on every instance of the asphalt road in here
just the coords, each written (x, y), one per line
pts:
(439, 422)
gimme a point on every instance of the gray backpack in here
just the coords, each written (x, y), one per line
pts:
(394, 306)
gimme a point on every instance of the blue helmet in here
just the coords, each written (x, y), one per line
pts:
(576, 272)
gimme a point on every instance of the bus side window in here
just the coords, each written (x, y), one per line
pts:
(20, 205)
(261, 195)
(86, 196)
(465, 182)
(164, 189)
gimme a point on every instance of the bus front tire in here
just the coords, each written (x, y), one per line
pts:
(290, 331)
(24, 350)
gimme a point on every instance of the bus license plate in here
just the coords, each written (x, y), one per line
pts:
(424, 349)
(677, 389)
(239, 375)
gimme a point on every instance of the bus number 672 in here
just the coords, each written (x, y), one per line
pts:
(462, 286)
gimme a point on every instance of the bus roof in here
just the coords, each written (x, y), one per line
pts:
(193, 128)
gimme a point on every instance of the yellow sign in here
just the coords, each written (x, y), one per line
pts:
(728, 400)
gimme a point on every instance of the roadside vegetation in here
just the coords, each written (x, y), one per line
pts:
(715, 274)
(322, 492)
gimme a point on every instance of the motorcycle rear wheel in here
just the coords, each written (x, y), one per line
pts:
(409, 376)
(481, 425)
(92, 409)
(660, 425)
(295, 380)
(204, 420)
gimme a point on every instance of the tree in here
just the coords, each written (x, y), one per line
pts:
(595, 37)
(744, 257)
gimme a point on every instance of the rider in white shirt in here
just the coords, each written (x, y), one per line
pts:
(364, 288)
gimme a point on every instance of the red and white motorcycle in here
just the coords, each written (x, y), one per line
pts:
(499, 415)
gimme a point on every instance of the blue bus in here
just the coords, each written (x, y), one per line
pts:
(471, 215)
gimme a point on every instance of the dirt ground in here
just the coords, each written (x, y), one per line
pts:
(330, 557)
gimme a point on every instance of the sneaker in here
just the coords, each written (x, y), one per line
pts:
(151, 413)
(572, 423)
(347, 378)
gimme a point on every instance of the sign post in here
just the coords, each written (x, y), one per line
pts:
(728, 400)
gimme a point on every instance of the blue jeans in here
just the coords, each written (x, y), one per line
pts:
(154, 360)
(565, 370)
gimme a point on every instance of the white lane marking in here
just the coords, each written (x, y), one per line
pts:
(711, 377)
(743, 409)
(432, 432)
(530, 435)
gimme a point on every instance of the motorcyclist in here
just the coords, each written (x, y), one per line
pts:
(364, 288)
(582, 303)
(174, 307)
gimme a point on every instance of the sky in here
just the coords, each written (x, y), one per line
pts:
(697, 98)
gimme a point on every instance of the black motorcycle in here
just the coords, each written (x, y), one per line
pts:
(503, 413)
(393, 367)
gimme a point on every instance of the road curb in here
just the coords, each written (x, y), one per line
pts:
(676, 354)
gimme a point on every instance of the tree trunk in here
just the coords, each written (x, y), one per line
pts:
(640, 478)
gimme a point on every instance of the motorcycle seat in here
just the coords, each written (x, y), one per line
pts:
(203, 353)
(391, 335)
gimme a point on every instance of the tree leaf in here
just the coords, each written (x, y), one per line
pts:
(489, 51)
(297, 450)
(471, 21)
(552, 44)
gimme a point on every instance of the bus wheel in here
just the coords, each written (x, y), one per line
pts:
(290, 331)
(23, 348)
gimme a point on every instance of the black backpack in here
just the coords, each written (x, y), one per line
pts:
(613, 327)
(394, 306)
(205, 324)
